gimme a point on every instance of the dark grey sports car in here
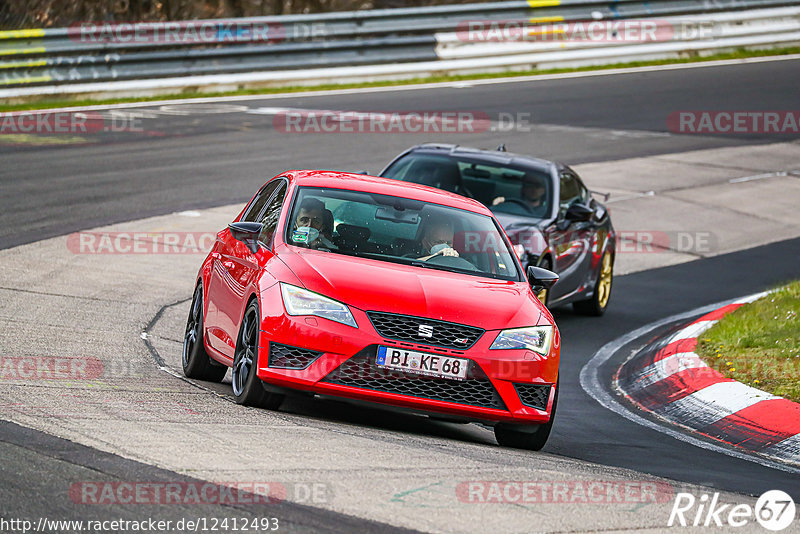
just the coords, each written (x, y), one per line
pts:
(548, 213)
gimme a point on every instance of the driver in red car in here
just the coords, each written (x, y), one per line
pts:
(437, 239)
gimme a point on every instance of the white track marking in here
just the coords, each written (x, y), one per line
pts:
(273, 110)
(692, 331)
(189, 107)
(664, 368)
(758, 177)
(630, 197)
(788, 449)
(751, 298)
(713, 403)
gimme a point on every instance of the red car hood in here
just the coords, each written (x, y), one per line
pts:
(373, 285)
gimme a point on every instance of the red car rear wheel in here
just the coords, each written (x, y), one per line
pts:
(196, 362)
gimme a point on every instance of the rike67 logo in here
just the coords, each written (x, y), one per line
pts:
(774, 510)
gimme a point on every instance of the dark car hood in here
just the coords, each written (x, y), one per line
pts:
(384, 286)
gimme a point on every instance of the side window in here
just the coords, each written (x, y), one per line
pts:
(251, 214)
(586, 196)
(272, 213)
(571, 191)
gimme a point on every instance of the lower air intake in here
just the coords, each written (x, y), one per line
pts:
(533, 395)
(361, 371)
(287, 357)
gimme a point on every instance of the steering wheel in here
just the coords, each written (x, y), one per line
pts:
(518, 202)
(452, 261)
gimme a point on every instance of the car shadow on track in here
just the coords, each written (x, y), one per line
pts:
(323, 410)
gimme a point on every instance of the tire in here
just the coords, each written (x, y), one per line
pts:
(196, 362)
(247, 387)
(508, 436)
(597, 305)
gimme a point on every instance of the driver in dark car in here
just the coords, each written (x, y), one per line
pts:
(437, 239)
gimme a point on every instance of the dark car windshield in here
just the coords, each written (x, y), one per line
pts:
(400, 230)
(502, 188)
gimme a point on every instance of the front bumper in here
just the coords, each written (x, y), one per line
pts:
(328, 358)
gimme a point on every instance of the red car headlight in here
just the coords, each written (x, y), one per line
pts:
(299, 301)
(535, 338)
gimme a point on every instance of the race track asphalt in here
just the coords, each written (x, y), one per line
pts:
(187, 157)
(198, 159)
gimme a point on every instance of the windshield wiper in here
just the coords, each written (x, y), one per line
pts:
(362, 254)
(417, 263)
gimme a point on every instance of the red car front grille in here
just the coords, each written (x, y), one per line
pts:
(426, 331)
(361, 371)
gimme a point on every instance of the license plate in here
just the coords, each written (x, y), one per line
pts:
(422, 363)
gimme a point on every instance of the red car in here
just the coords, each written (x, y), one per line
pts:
(377, 290)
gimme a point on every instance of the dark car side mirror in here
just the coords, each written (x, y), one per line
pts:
(579, 212)
(247, 233)
(540, 278)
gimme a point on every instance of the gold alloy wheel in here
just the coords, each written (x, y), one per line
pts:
(604, 283)
(543, 296)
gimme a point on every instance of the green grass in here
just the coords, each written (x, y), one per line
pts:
(46, 103)
(759, 343)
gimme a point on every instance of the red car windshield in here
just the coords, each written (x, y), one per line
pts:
(399, 230)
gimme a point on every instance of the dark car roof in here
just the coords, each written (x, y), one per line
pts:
(493, 156)
(384, 186)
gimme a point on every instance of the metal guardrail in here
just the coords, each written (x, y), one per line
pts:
(100, 53)
(687, 32)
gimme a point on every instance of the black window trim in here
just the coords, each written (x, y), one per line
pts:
(256, 198)
(263, 209)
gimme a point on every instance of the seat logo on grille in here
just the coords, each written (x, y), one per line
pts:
(425, 330)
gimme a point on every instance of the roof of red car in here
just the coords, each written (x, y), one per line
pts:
(384, 186)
